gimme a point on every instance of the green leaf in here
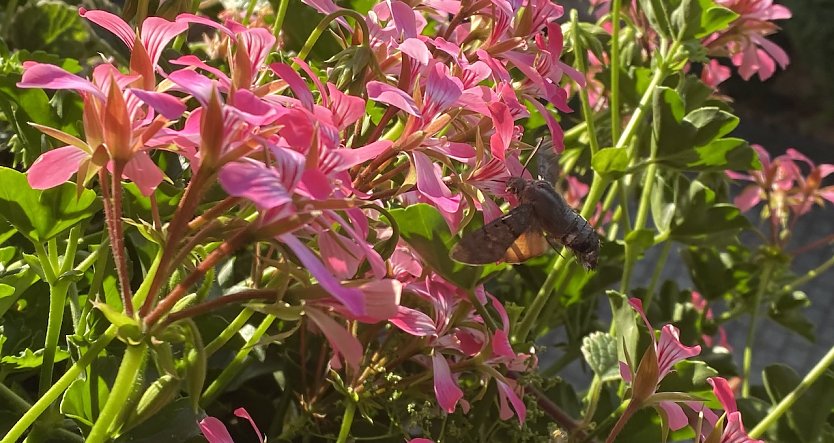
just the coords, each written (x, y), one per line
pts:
(28, 359)
(628, 332)
(129, 329)
(610, 162)
(600, 351)
(77, 403)
(808, 416)
(639, 240)
(699, 18)
(425, 230)
(700, 219)
(789, 311)
(663, 203)
(42, 215)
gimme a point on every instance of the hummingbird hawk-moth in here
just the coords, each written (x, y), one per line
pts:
(542, 216)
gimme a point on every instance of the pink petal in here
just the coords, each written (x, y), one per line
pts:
(242, 413)
(431, 184)
(445, 389)
(556, 133)
(191, 18)
(295, 82)
(420, 440)
(674, 413)
(55, 167)
(316, 183)
(112, 23)
(404, 18)
(501, 345)
(191, 60)
(198, 85)
(340, 339)
(416, 49)
(503, 121)
(255, 182)
(670, 350)
(347, 109)
(167, 105)
(390, 95)
(157, 33)
(341, 255)
(748, 198)
(382, 299)
(625, 372)
(41, 75)
(257, 42)
(214, 431)
(734, 430)
(144, 172)
(442, 91)
(724, 393)
(353, 157)
(506, 392)
(413, 322)
(352, 298)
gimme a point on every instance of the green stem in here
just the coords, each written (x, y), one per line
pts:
(325, 22)
(764, 281)
(229, 331)
(614, 96)
(278, 24)
(72, 247)
(587, 112)
(13, 399)
(773, 416)
(46, 263)
(233, 368)
(75, 370)
(593, 399)
(347, 421)
(57, 302)
(808, 276)
(59, 387)
(126, 380)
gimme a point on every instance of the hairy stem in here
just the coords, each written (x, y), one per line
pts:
(126, 380)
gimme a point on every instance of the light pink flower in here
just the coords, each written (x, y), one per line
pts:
(733, 431)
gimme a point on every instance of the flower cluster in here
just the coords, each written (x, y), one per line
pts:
(297, 147)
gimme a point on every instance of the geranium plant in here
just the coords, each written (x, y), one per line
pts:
(252, 210)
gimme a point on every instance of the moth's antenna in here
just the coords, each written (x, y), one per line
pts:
(533, 154)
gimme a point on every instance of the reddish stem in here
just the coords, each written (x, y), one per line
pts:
(222, 251)
(211, 305)
(116, 231)
(188, 204)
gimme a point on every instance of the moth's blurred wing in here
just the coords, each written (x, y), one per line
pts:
(531, 243)
(489, 243)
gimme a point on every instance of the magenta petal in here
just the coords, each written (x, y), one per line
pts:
(112, 23)
(420, 440)
(385, 93)
(191, 60)
(214, 431)
(41, 75)
(55, 167)
(255, 182)
(169, 106)
(157, 33)
(625, 372)
(198, 85)
(242, 413)
(347, 109)
(722, 391)
(144, 173)
(674, 413)
(748, 198)
(445, 389)
(506, 392)
(257, 43)
(340, 339)
(734, 430)
(416, 49)
(191, 18)
(353, 157)
(382, 299)
(503, 122)
(352, 298)
(670, 350)
(431, 184)
(341, 255)
(413, 322)
(296, 83)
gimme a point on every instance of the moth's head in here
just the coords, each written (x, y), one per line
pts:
(516, 185)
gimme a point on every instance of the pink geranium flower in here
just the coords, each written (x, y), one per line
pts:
(733, 431)
(215, 431)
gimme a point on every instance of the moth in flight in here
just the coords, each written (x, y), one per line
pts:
(542, 216)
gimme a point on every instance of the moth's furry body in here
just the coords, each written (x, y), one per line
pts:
(518, 235)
